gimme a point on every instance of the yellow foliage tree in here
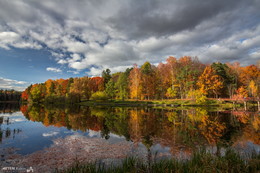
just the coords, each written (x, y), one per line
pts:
(253, 89)
(209, 82)
(135, 83)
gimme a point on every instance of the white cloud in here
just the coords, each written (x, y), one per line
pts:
(53, 69)
(62, 61)
(75, 46)
(79, 65)
(8, 39)
(95, 71)
(49, 134)
(12, 84)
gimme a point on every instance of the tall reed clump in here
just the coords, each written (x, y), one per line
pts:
(200, 161)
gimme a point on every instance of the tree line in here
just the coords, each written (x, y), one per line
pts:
(181, 78)
(9, 95)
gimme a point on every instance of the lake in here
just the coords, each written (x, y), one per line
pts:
(54, 137)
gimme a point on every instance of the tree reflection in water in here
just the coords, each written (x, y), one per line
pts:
(181, 130)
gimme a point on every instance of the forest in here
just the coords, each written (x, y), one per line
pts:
(9, 95)
(183, 78)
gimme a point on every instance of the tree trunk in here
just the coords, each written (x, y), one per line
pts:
(245, 105)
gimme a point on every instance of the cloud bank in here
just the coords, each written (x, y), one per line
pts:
(95, 34)
(12, 84)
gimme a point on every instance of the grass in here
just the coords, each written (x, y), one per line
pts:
(200, 161)
(161, 103)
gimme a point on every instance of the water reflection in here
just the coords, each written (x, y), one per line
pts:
(7, 110)
(47, 134)
(178, 129)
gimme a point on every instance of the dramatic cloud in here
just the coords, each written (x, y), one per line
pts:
(12, 84)
(8, 39)
(93, 35)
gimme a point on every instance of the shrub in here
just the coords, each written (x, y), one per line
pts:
(171, 92)
(198, 95)
(99, 95)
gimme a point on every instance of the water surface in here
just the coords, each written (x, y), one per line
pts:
(49, 137)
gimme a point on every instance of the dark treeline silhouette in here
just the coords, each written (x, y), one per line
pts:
(181, 78)
(10, 95)
(9, 107)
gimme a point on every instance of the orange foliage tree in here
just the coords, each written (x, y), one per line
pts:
(209, 82)
(135, 79)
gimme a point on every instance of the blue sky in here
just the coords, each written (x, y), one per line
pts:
(63, 38)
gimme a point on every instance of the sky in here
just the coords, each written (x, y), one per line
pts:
(53, 39)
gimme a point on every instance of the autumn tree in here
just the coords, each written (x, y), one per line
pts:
(38, 92)
(250, 79)
(228, 79)
(110, 89)
(96, 84)
(50, 87)
(189, 70)
(248, 73)
(70, 82)
(163, 75)
(209, 82)
(172, 69)
(233, 70)
(253, 89)
(25, 95)
(148, 81)
(134, 83)
(80, 87)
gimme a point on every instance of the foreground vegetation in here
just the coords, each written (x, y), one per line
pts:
(201, 161)
(183, 78)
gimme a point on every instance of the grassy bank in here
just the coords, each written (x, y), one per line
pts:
(162, 103)
(210, 103)
(201, 161)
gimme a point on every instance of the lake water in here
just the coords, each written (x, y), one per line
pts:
(50, 137)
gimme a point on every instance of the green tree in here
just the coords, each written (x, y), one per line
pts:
(106, 75)
(37, 92)
(122, 85)
(229, 83)
(110, 89)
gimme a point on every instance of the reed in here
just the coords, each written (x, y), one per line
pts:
(200, 161)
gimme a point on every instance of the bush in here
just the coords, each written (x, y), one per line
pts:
(99, 95)
(171, 93)
(199, 97)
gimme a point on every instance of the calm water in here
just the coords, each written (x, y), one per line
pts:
(56, 137)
